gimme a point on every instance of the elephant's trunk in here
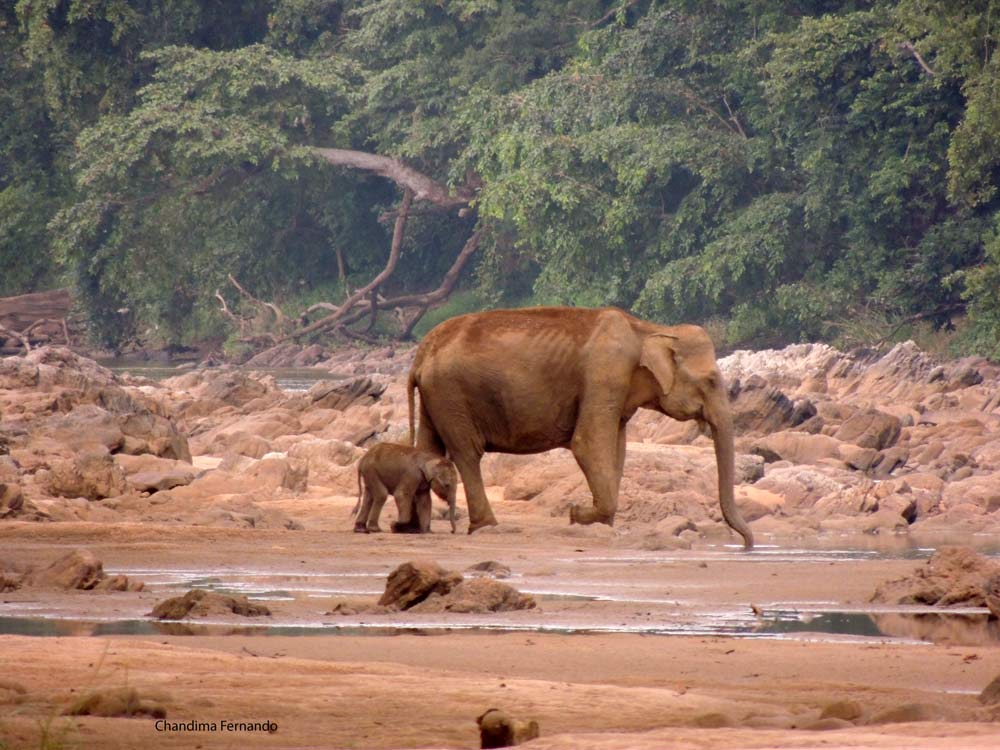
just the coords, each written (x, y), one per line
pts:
(721, 422)
(452, 493)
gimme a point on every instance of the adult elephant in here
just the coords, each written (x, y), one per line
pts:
(528, 380)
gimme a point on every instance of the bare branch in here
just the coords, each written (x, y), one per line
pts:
(429, 299)
(613, 12)
(734, 118)
(11, 333)
(908, 46)
(390, 266)
(279, 317)
(423, 187)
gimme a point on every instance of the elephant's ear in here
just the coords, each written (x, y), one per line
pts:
(658, 357)
(430, 468)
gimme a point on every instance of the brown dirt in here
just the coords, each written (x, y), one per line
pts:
(423, 687)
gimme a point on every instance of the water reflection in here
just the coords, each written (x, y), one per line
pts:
(960, 629)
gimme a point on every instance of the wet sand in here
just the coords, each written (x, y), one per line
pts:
(419, 681)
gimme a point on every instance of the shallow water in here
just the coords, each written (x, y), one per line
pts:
(581, 594)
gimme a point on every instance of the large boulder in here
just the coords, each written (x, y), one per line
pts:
(476, 595)
(870, 429)
(202, 603)
(79, 569)
(412, 582)
(147, 473)
(953, 576)
(90, 474)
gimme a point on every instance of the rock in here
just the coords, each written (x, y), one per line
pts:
(953, 576)
(990, 694)
(201, 603)
(86, 427)
(478, 595)
(339, 394)
(244, 444)
(277, 470)
(911, 712)
(847, 710)
(11, 499)
(412, 582)
(870, 429)
(92, 474)
(797, 447)
(755, 503)
(890, 460)
(760, 407)
(991, 593)
(147, 473)
(856, 457)
(981, 491)
(75, 570)
(749, 468)
(498, 729)
(122, 701)
(232, 387)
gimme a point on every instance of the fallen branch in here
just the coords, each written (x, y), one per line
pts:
(10, 333)
(61, 322)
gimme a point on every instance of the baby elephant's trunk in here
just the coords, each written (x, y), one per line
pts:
(452, 493)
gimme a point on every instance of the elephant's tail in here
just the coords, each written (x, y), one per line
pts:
(357, 505)
(411, 386)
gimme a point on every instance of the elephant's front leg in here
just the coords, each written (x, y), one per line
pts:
(404, 495)
(480, 512)
(599, 449)
(422, 506)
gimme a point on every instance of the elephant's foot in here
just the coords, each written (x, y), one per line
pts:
(405, 528)
(475, 526)
(360, 528)
(586, 516)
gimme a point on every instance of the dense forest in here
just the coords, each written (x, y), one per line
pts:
(776, 170)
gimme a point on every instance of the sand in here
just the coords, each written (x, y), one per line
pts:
(406, 681)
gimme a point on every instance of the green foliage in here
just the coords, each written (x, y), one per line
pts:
(799, 169)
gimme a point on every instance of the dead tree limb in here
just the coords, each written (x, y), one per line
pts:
(390, 266)
(279, 317)
(424, 188)
(429, 299)
(11, 333)
(228, 314)
(61, 322)
(908, 46)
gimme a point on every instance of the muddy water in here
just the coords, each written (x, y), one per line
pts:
(628, 592)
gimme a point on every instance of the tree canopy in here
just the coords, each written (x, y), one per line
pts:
(784, 171)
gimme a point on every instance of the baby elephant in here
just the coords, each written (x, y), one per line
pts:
(409, 475)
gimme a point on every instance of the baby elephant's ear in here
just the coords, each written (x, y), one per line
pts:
(431, 468)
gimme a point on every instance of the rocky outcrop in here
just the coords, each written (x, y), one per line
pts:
(953, 576)
(81, 570)
(499, 729)
(202, 603)
(424, 586)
